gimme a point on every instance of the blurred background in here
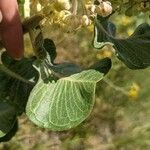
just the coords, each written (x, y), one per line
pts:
(121, 116)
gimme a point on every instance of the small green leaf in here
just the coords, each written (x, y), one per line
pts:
(102, 66)
(7, 117)
(63, 104)
(50, 48)
(66, 69)
(2, 134)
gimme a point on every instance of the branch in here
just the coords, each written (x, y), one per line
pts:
(117, 88)
(74, 7)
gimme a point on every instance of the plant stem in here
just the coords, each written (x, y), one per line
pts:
(84, 8)
(102, 28)
(74, 7)
(117, 88)
(32, 37)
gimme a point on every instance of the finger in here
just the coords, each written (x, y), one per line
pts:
(11, 29)
(1, 16)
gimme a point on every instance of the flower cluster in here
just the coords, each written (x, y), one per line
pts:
(75, 14)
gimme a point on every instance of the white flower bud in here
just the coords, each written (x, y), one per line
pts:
(85, 20)
(104, 9)
(90, 7)
(93, 7)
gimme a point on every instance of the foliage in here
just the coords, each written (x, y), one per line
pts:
(59, 96)
(48, 74)
(131, 7)
(69, 101)
(134, 51)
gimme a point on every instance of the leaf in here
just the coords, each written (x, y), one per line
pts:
(10, 134)
(43, 48)
(102, 66)
(7, 118)
(134, 51)
(12, 89)
(103, 31)
(50, 48)
(66, 69)
(63, 104)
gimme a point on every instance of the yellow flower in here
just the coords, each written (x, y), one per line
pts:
(90, 28)
(133, 93)
(130, 31)
(106, 51)
(126, 20)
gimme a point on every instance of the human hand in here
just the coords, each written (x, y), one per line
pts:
(10, 28)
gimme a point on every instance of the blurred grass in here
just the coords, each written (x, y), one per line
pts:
(118, 122)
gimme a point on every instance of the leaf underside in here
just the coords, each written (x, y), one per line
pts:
(134, 51)
(65, 103)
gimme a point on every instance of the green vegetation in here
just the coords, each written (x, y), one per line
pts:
(58, 95)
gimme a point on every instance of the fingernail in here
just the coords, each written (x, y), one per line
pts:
(1, 17)
(18, 56)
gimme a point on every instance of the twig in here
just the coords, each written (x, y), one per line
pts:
(117, 88)
(84, 8)
(74, 7)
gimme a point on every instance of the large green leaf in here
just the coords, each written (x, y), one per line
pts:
(65, 103)
(134, 51)
(7, 117)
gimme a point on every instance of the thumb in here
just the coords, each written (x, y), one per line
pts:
(11, 29)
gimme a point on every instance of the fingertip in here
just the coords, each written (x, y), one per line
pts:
(18, 55)
(1, 17)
